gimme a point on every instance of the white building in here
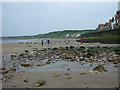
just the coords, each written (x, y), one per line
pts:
(118, 5)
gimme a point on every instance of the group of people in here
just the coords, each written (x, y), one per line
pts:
(46, 41)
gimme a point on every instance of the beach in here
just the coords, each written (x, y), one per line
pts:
(59, 72)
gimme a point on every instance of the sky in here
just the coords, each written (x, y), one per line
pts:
(32, 18)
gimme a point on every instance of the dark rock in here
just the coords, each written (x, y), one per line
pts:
(71, 47)
(55, 48)
(25, 64)
(2, 68)
(68, 69)
(26, 51)
(26, 80)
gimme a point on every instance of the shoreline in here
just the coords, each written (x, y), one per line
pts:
(12, 48)
(67, 78)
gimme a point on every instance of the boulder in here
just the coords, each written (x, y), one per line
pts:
(99, 68)
(41, 82)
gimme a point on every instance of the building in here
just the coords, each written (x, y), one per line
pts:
(119, 6)
(100, 27)
(113, 23)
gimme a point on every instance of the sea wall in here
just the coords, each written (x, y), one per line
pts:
(107, 39)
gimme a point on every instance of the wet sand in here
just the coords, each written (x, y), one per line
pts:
(74, 80)
(11, 48)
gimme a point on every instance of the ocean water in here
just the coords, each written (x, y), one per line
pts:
(18, 40)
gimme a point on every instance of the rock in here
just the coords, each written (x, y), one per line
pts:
(56, 75)
(84, 73)
(94, 72)
(41, 82)
(4, 71)
(67, 73)
(71, 47)
(26, 51)
(12, 69)
(14, 85)
(48, 62)
(43, 64)
(116, 66)
(33, 66)
(99, 68)
(55, 48)
(68, 78)
(25, 64)
(37, 85)
(26, 80)
(2, 68)
(90, 64)
(68, 69)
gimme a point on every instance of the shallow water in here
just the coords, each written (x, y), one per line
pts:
(19, 40)
(59, 65)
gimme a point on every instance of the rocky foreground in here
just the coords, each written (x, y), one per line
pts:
(97, 59)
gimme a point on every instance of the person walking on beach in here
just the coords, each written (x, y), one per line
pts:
(81, 41)
(42, 42)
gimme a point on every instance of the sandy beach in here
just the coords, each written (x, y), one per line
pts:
(63, 78)
(11, 48)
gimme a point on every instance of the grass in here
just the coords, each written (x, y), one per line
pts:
(104, 37)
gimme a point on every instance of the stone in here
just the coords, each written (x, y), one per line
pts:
(4, 71)
(68, 69)
(2, 68)
(41, 82)
(25, 64)
(116, 66)
(37, 85)
(94, 72)
(99, 68)
(26, 80)
(68, 78)
(84, 73)
(56, 75)
(48, 62)
(14, 85)
(72, 47)
(67, 73)
(12, 68)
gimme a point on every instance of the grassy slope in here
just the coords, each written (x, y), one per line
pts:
(61, 34)
(57, 34)
(104, 37)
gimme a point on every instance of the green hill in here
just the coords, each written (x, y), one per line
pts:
(61, 34)
(57, 34)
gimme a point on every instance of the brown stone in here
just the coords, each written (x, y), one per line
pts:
(56, 75)
(2, 68)
(41, 82)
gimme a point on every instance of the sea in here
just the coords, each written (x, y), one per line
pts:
(19, 40)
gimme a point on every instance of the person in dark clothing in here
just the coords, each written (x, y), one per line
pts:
(48, 41)
(42, 42)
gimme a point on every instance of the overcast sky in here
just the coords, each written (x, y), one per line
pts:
(32, 18)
